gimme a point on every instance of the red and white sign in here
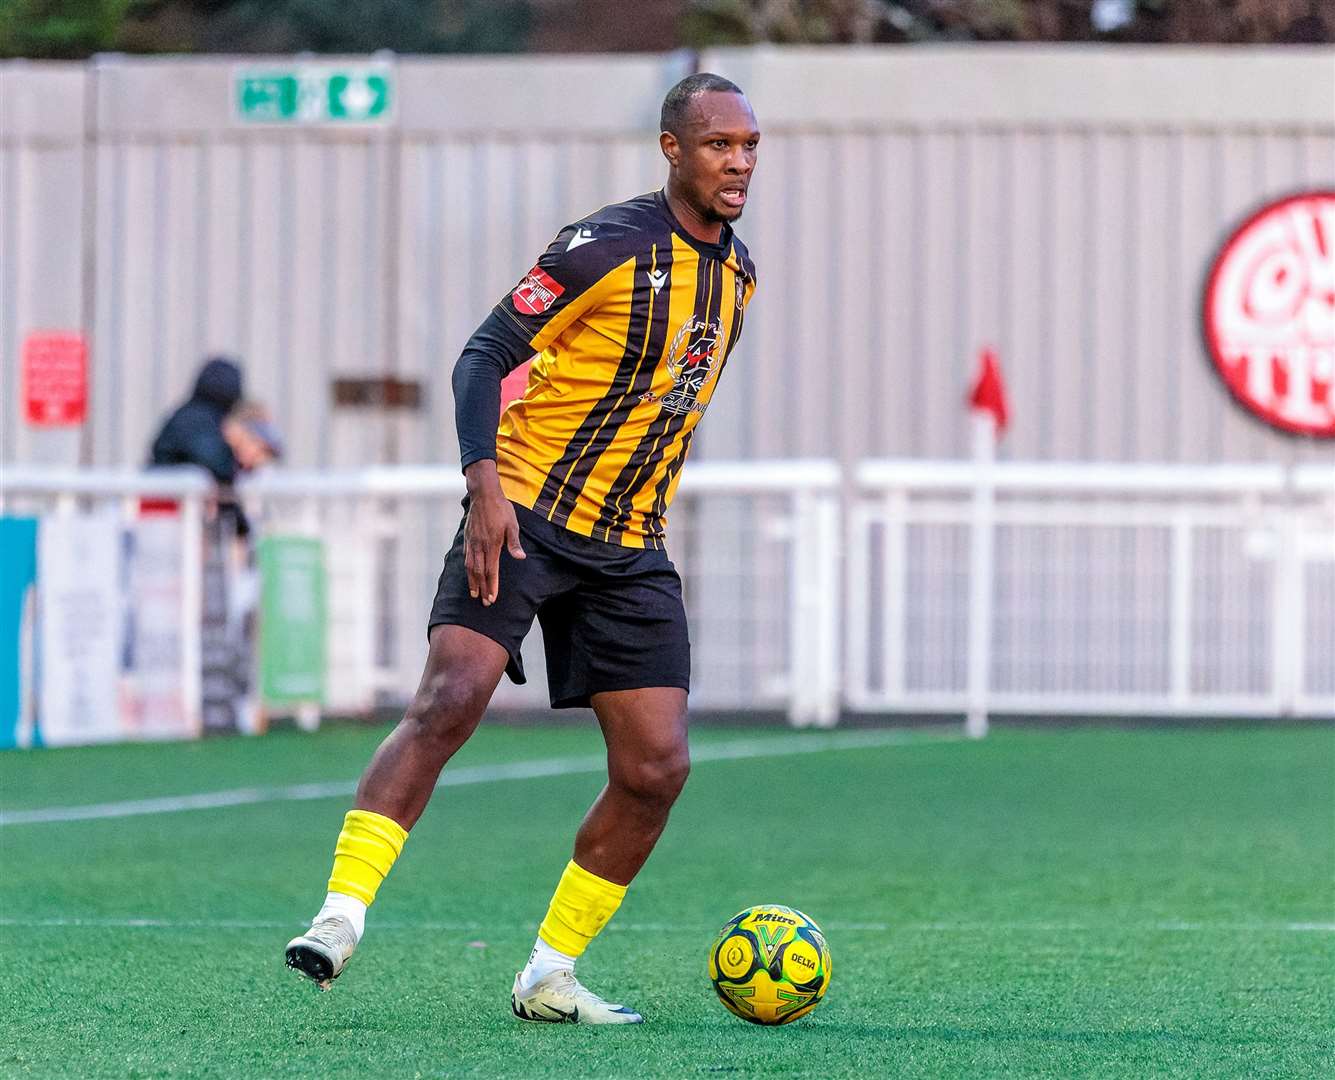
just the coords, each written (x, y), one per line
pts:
(537, 292)
(55, 379)
(1269, 314)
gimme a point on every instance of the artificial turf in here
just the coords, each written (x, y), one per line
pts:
(1110, 903)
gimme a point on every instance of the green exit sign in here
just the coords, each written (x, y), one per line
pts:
(344, 94)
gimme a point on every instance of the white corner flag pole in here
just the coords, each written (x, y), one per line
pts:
(982, 526)
(987, 419)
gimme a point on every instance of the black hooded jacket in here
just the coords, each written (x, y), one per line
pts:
(193, 434)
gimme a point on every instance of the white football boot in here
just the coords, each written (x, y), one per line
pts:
(559, 998)
(323, 951)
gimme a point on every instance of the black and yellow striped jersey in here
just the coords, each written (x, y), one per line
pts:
(633, 320)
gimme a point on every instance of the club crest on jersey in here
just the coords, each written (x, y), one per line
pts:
(693, 358)
(537, 292)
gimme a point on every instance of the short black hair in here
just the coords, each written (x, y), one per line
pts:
(679, 98)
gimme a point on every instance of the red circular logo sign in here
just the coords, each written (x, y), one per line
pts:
(1270, 314)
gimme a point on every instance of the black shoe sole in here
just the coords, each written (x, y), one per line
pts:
(312, 964)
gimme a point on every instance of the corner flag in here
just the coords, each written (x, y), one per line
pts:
(989, 391)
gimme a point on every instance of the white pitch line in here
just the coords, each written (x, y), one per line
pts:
(780, 746)
(392, 925)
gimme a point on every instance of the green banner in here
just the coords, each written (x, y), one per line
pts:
(293, 619)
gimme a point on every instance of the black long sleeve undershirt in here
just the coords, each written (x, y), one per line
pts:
(494, 350)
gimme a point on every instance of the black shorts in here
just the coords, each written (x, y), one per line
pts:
(611, 616)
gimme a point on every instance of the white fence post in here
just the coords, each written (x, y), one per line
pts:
(896, 566)
(1316, 547)
(1288, 604)
(804, 600)
(828, 687)
(981, 569)
(815, 622)
(1179, 631)
(192, 608)
(858, 604)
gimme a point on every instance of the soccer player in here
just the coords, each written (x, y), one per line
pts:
(633, 313)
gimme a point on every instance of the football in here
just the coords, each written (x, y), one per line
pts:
(770, 964)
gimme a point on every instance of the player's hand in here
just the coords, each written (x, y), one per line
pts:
(491, 524)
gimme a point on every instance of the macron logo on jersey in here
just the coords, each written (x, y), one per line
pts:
(583, 235)
(657, 278)
(537, 292)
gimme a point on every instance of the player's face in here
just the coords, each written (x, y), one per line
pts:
(715, 155)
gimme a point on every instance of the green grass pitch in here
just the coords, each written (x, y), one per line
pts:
(1084, 903)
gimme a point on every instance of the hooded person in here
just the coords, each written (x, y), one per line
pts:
(197, 433)
(193, 434)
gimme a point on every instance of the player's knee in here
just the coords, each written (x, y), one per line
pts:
(658, 778)
(446, 709)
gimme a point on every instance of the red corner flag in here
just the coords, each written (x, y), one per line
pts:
(989, 391)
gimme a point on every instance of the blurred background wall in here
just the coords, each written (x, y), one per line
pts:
(1060, 203)
(1049, 178)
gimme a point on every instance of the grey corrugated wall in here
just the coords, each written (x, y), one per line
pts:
(911, 205)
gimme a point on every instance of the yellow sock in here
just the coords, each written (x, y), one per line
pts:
(366, 849)
(580, 907)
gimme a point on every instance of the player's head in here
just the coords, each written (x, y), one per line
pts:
(709, 136)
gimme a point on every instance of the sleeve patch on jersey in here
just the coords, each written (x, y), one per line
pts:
(537, 292)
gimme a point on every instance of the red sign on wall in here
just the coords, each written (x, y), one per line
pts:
(1269, 314)
(55, 379)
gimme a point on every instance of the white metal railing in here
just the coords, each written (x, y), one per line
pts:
(807, 524)
(383, 528)
(1101, 589)
(1117, 590)
(387, 530)
(67, 492)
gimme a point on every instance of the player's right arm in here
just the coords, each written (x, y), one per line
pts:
(569, 279)
(491, 524)
(492, 352)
